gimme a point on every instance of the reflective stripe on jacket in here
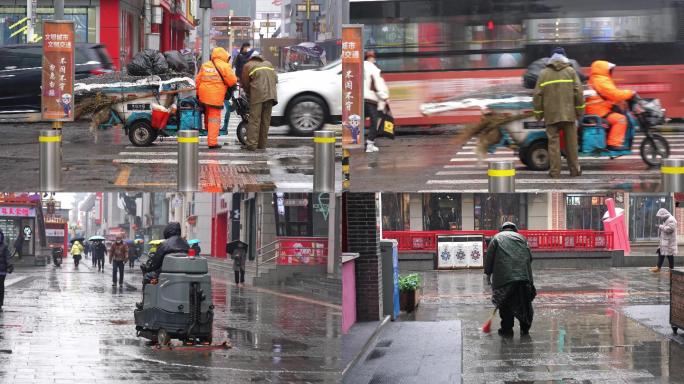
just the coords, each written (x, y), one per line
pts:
(259, 80)
(558, 93)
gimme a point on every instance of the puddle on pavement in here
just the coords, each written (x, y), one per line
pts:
(274, 344)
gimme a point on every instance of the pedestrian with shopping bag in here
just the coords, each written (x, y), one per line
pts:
(667, 235)
(118, 256)
(375, 98)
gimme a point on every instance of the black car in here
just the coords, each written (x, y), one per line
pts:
(20, 73)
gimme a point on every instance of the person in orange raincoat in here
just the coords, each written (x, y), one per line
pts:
(606, 102)
(213, 80)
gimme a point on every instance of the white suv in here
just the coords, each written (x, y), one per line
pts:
(309, 99)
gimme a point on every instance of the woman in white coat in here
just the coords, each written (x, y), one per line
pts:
(667, 233)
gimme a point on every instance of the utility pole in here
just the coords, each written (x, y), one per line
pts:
(59, 9)
(205, 30)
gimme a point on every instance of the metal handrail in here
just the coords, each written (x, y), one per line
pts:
(261, 253)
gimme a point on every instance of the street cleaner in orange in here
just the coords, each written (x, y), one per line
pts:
(213, 82)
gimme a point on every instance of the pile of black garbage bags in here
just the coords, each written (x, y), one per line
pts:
(152, 62)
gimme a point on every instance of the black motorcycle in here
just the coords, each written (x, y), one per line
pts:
(57, 254)
(240, 104)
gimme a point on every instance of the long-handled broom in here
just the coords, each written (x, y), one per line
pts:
(487, 327)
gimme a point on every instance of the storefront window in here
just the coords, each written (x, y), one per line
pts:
(84, 23)
(11, 226)
(584, 212)
(441, 211)
(643, 223)
(293, 214)
(395, 212)
(493, 210)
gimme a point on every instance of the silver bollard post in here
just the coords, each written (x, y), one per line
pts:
(501, 177)
(188, 161)
(50, 156)
(672, 175)
(324, 161)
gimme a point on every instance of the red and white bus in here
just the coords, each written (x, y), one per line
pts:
(57, 233)
(432, 50)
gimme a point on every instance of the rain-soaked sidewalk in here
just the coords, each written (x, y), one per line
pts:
(66, 325)
(607, 326)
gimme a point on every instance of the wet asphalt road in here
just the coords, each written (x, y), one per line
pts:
(427, 161)
(67, 326)
(105, 160)
(590, 327)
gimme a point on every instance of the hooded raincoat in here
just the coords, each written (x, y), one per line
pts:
(558, 94)
(214, 78)
(607, 93)
(174, 243)
(667, 233)
(508, 259)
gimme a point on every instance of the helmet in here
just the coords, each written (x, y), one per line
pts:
(254, 54)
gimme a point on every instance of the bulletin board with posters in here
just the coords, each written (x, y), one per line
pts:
(460, 251)
(352, 86)
(302, 251)
(57, 101)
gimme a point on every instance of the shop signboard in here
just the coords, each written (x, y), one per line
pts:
(460, 251)
(302, 251)
(352, 87)
(57, 101)
(18, 211)
(54, 232)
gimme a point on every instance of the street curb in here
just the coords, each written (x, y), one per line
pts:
(369, 343)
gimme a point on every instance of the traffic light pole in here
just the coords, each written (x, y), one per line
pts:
(206, 33)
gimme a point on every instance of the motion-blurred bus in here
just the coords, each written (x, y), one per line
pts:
(57, 233)
(432, 50)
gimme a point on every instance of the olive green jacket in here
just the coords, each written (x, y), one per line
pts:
(508, 259)
(259, 80)
(558, 95)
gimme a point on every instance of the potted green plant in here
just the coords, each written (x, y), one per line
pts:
(409, 288)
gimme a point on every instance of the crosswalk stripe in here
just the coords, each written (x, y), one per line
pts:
(214, 162)
(221, 154)
(483, 172)
(542, 181)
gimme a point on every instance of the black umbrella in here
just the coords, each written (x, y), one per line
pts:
(237, 244)
(79, 239)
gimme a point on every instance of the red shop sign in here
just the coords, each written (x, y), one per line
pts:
(352, 86)
(17, 211)
(302, 251)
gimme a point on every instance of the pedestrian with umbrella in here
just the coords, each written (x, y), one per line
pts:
(98, 252)
(509, 260)
(118, 255)
(238, 252)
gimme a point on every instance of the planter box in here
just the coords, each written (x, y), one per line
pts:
(408, 301)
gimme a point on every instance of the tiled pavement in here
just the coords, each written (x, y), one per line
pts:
(66, 326)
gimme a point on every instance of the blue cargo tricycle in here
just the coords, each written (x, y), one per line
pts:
(529, 136)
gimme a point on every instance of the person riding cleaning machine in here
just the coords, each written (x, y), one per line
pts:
(605, 103)
(213, 81)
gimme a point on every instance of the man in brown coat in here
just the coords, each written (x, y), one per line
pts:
(118, 255)
(259, 79)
